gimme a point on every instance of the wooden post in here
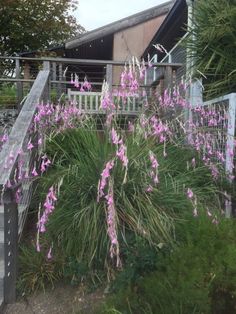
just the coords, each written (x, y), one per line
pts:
(26, 86)
(109, 77)
(168, 80)
(46, 67)
(60, 79)
(19, 87)
(54, 78)
(10, 244)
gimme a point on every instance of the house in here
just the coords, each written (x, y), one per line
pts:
(117, 41)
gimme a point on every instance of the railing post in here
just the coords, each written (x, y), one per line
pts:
(168, 78)
(230, 133)
(54, 77)
(19, 86)
(46, 98)
(109, 76)
(10, 244)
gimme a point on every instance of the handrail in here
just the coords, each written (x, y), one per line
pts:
(168, 55)
(85, 61)
(11, 180)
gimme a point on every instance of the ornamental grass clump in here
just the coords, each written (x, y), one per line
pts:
(116, 184)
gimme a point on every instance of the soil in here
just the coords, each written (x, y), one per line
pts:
(61, 300)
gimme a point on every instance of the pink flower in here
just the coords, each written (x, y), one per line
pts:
(215, 221)
(193, 162)
(49, 255)
(40, 141)
(34, 172)
(149, 189)
(112, 225)
(209, 214)
(104, 177)
(189, 193)
(115, 137)
(121, 154)
(153, 160)
(30, 145)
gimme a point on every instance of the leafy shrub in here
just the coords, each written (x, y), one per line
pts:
(197, 277)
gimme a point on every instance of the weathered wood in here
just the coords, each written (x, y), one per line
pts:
(60, 87)
(21, 126)
(19, 86)
(88, 61)
(54, 75)
(109, 76)
(10, 244)
(168, 78)
(17, 143)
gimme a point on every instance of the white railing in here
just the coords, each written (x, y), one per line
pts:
(90, 103)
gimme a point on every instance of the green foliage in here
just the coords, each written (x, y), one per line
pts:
(198, 276)
(33, 25)
(213, 44)
(36, 272)
(77, 272)
(7, 95)
(78, 223)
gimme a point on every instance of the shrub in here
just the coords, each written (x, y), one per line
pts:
(197, 277)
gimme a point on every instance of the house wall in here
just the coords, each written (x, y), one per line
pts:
(133, 41)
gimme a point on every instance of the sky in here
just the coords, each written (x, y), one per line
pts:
(92, 14)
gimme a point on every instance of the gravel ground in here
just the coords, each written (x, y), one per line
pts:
(61, 300)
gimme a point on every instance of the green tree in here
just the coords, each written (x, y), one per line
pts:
(213, 44)
(27, 25)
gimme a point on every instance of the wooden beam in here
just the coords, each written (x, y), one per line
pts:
(89, 61)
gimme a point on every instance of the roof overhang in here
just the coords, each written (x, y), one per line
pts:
(171, 22)
(117, 26)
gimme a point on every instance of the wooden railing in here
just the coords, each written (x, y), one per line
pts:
(62, 68)
(90, 103)
(16, 164)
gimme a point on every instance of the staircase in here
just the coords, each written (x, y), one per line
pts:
(14, 154)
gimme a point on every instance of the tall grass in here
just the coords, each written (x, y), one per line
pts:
(78, 225)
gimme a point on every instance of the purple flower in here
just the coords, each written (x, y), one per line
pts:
(189, 193)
